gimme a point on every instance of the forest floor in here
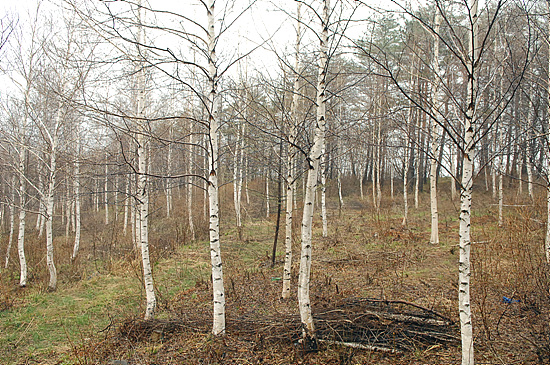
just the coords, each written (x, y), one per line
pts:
(370, 276)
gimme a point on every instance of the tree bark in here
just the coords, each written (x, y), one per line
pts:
(434, 238)
(464, 272)
(142, 191)
(22, 216)
(76, 188)
(218, 326)
(12, 221)
(314, 157)
(290, 179)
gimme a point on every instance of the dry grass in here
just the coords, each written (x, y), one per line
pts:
(367, 255)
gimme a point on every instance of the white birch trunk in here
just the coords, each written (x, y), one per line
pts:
(190, 190)
(76, 189)
(391, 181)
(267, 207)
(142, 190)
(206, 168)
(142, 196)
(323, 172)
(133, 221)
(246, 181)
(290, 179)
(106, 190)
(378, 168)
(500, 170)
(22, 216)
(97, 195)
(313, 161)
(126, 206)
(547, 238)
(520, 172)
(68, 212)
(406, 183)
(168, 183)
(339, 181)
(373, 168)
(40, 215)
(218, 325)
(494, 179)
(50, 201)
(528, 152)
(417, 165)
(361, 184)
(434, 238)
(238, 175)
(12, 221)
(464, 272)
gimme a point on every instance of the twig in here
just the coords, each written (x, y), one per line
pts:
(356, 345)
(406, 303)
(23, 334)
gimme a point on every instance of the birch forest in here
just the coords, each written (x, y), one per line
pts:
(275, 182)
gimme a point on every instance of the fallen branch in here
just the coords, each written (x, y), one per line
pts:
(385, 301)
(356, 345)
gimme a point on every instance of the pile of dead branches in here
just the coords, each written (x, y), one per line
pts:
(381, 325)
(371, 324)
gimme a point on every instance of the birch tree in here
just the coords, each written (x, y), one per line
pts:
(11, 220)
(434, 238)
(547, 237)
(313, 161)
(218, 326)
(290, 163)
(142, 192)
(464, 271)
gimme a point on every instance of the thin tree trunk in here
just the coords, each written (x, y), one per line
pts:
(142, 191)
(68, 212)
(522, 157)
(528, 149)
(267, 207)
(304, 303)
(496, 167)
(76, 188)
(116, 187)
(373, 169)
(40, 215)
(500, 177)
(106, 190)
(50, 203)
(12, 221)
(246, 181)
(323, 172)
(190, 190)
(378, 168)
(434, 238)
(22, 216)
(168, 183)
(218, 326)
(391, 181)
(547, 238)
(237, 176)
(290, 180)
(464, 274)
(360, 176)
(418, 166)
(126, 205)
(279, 203)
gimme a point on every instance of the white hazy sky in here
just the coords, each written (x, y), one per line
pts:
(265, 20)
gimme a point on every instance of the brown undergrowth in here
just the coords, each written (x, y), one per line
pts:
(374, 283)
